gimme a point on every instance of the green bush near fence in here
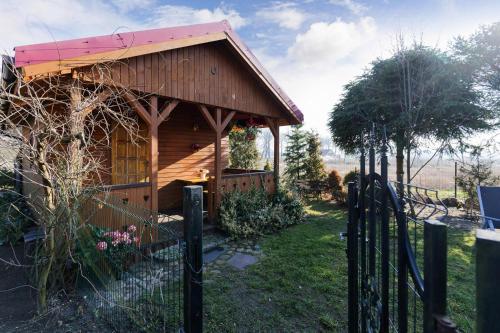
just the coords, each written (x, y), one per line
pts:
(253, 213)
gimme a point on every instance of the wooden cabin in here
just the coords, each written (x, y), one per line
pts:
(197, 80)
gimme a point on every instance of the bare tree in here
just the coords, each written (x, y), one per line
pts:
(63, 124)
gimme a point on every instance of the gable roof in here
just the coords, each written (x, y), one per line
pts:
(58, 56)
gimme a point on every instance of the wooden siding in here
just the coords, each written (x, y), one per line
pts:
(210, 74)
(120, 208)
(243, 182)
(177, 160)
(136, 194)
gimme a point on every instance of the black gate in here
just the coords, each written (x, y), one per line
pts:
(390, 235)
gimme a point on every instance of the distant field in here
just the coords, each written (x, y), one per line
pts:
(438, 174)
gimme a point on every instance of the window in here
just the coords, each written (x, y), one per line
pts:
(130, 160)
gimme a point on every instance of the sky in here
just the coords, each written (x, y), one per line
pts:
(311, 47)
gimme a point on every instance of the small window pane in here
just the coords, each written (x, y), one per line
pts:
(120, 167)
(132, 150)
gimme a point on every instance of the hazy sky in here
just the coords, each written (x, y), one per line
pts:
(311, 47)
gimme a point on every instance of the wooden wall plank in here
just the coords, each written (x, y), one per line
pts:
(174, 79)
(176, 158)
(132, 73)
(210, 74)
(140, 74)
(124, 72)
(192, 66)
(155, 87)
(147, 73)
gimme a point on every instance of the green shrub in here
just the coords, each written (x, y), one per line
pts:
(267, 166)
(351, 176)
(253, 213)
(334, 182)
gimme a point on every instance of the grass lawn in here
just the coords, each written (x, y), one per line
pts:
(462, 278)
(301, 282)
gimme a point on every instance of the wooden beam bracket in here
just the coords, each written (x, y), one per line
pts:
(167, 110)
(137, 106)
(227, 120)
(208, 117)
(272, 125)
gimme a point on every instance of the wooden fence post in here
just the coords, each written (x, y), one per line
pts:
(435, 273)
(193, 261)
(487, 277)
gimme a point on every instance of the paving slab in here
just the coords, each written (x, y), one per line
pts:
(241, 261)
(213, 254)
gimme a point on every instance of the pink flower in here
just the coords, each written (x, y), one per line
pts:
(112, 234)
(101, 246)
(132, 228)
(136, 240)
(124, 236)
(115, 242)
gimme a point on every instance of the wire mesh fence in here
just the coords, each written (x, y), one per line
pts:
(132, 266)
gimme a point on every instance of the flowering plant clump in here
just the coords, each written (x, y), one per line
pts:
(117, 246)
(237, 129)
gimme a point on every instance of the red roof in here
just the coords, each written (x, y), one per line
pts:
(64, 50)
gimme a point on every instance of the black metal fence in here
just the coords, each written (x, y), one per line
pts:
(140, 274)
(391, 237)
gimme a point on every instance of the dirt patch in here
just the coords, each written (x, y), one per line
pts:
(18, 302)
(458, 218)
(17, 299)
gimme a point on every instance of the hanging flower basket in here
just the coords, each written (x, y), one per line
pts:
(250, 136)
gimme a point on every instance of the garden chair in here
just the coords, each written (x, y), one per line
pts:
(489, 204)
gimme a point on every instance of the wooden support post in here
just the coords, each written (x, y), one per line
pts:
(218, 156)
(218, 125)
(277, 156)
(193, 233)
(487, 273)
(275, 130)
(153, 151)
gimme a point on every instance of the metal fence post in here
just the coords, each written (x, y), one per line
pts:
(402, 270)
(487, 275)
(352, 261)
(362, 234)
(435, 272)
(193, 261)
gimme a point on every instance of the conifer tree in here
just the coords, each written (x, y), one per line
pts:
(243, 153)
(314, 168)
(295, 154)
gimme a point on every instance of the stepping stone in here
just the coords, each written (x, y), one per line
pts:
(213, 254)
(241, 261)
